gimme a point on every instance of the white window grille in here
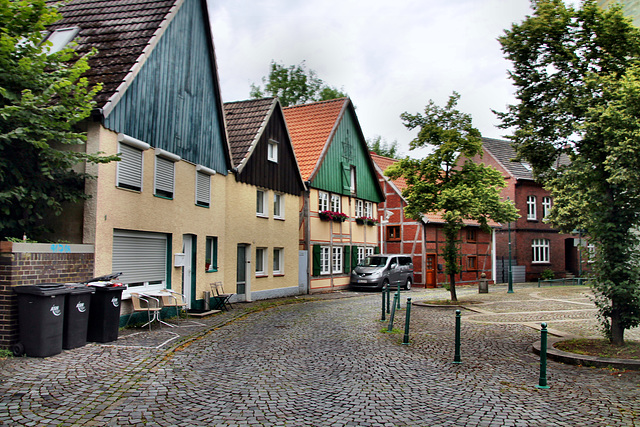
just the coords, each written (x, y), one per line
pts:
(546, 206)
(325, 260)
(335, 203)
(272, 151)
(337, 259)
(540, 248)
(323, 201)
(359, 208)
(531, 208)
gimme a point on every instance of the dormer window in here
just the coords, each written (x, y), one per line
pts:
(60, 38)
(272, 151)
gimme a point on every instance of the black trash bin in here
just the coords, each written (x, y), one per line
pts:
(104, 316)
(40, 319)
(76, 316)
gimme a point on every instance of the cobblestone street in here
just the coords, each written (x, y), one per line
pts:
(327, 363)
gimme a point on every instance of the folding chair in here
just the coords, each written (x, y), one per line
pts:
(218, 289)
(143, 302)
(172, 298)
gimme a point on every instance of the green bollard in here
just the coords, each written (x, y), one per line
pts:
(398, 296)
(542, 382)
(456, 357)
(384, 291)
(407, 318)
(393, 313)
(388, 299)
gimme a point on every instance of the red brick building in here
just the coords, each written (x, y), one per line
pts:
(424, 239)
(535, 245)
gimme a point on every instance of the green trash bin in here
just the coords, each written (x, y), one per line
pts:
(40, 319)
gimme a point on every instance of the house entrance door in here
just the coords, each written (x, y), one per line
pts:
(430, 271)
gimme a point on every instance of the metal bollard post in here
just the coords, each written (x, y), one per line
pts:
(393, 313)
(388, 299)
(407, 320)
(542, 382)
(456, 356)
(384, 291)
(398, 296)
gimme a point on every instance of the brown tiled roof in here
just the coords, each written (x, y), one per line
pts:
(245, 121)
(311, 128)
(119, 29)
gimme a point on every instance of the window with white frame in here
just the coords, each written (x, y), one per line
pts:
(278, 206)
(336, 260)
(359, 208)
(325, 260)
(546, 206)
(60, 38)
(540, 249)
(261, 203)
(368, 251)
(203, 189)
(352, 184)
(142, 257)
(323, 201)
(335, 203)
(361, 254)
(211, 254)
(531, 207)
(129, 168)
(164, 177)
(368, 209)
(278, 260)
(261, 261)
(272, 151)
(591, 253)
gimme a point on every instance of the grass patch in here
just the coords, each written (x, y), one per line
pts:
(4, 353)
(601, 348)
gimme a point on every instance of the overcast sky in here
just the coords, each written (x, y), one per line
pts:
(388, 56)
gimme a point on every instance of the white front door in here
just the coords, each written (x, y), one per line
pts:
(187, 273)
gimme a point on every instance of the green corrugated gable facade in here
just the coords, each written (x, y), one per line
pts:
(173, 103)
(348, 148)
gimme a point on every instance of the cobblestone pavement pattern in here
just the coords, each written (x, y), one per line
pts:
(319, 363)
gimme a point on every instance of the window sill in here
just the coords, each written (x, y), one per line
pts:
(258, 215)
(203, 206)
(259, 276)
(531, 220)
(278, 274)
(162, 197)
(541, 262)
(278, 218)
(213, 270)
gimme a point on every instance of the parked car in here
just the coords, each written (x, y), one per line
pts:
(375, 271)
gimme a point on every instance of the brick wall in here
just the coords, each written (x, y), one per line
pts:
(32, 264)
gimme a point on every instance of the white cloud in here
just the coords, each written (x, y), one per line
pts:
(390, 57)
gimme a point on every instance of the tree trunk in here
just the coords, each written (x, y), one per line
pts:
(617, 331)
(452, 287)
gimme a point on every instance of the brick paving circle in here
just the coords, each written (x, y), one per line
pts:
(321, 363)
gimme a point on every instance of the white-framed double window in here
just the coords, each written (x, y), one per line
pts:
(278, 206)
(359, 208)
(336, 205)
(368, 209)
(165, 172)
(261, 261)
(278, 261)
(336, 259)
(361, 254)
(540, 249)
(325, 260)
(323, 201)
(546, 207)
(261, 203)
(531, 208)
(272, 151)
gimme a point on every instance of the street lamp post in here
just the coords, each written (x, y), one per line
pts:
(510, 290)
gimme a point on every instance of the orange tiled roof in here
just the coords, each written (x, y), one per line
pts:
(311, 127)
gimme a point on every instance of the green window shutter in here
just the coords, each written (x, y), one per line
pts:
(316, 260)
(354, 257)
(347, 259)
(376, 250)
(346, 177)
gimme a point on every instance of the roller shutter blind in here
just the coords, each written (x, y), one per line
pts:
(140, 256)
(130, 167)
(164, 177)
(203, 189)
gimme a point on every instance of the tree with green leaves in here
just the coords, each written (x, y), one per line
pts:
(448, 181)
(43, 97)
(381, 147)
(576, 76)
(294, 85)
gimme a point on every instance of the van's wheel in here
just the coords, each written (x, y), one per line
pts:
(407, 285)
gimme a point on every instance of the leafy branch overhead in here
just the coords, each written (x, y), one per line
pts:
(294, 85)
(43, 99)
(451, 181)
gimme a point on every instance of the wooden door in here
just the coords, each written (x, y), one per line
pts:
(430, 271)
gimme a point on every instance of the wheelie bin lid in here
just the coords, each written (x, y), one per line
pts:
(42, 289)
(79, 288)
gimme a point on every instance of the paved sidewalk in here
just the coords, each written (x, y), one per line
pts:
(325, 362)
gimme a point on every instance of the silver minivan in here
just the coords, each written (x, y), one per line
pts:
(375, 271)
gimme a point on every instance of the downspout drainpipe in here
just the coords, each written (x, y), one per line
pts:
(494, 271)
(307, 236)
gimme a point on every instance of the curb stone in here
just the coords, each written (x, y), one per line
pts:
(585, 360)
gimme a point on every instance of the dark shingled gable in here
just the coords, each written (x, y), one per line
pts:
(504, 153)
(245, 120)
(119, 29)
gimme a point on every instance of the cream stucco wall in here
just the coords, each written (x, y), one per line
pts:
(115, 208)
(244, 227)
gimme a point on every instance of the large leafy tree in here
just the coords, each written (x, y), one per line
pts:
(43, 96)
(381, 147)
(448, 181)
(294, 85)
(576, 76)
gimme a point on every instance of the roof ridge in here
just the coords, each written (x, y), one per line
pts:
(344, 98)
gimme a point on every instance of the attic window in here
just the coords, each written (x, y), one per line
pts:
(527, 166)
(272, 151)
(60, 38)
